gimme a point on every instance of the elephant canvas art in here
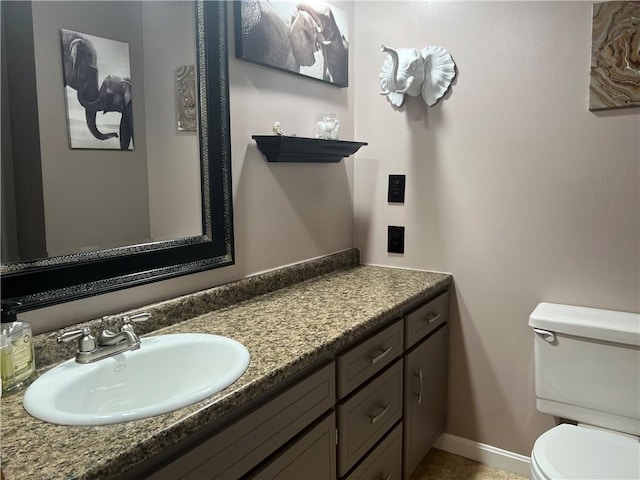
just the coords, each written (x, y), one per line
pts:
(98, 91)
(307, 38)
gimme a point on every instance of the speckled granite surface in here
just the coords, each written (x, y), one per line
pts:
(169, 312)
(285, 331)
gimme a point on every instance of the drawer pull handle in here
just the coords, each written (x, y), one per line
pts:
(375, 418)
(376, 358)
(388, 477)
(419, 375)
(433, 317)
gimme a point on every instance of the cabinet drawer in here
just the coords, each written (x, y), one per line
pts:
(425, 319)
(384, 461)
(364, 418)
(247, 442)
(312, 456)
(367, 358)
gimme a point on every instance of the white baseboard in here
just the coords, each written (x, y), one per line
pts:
(480, 452)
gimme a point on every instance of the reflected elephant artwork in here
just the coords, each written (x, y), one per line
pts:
(97, 84)
(307, 38)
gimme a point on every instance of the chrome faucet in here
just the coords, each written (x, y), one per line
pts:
(107, 343)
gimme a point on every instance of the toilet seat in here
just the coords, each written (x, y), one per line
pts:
(577, 452)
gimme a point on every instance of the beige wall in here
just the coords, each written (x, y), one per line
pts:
(512, 185)
(283, 213)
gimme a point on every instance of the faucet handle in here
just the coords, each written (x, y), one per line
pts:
(138, 317)
(86, 341)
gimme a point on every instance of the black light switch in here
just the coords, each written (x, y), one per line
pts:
(395, 239)
(396, 188)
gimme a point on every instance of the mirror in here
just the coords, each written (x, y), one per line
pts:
(115, 152)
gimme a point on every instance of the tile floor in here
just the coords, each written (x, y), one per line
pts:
(439, 465)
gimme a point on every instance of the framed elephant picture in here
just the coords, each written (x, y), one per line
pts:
(98, 93)
(305, 38)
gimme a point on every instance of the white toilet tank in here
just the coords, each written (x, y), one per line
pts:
(587, 365)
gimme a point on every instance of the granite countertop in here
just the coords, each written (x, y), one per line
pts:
(286, 331)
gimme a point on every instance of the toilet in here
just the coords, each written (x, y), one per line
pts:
(587, 373)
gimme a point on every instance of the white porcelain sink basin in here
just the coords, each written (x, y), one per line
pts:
(166, 373)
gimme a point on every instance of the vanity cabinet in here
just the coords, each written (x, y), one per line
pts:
(324, 393)
(373, 411)
(244, 444)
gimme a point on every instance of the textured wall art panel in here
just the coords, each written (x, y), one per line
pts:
(615, 55)
(186, 94)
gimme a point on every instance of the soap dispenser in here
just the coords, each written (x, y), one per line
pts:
(17, 358)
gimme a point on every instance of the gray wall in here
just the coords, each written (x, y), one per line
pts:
(92, 197)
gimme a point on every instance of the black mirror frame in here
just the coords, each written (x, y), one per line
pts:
(60, 279)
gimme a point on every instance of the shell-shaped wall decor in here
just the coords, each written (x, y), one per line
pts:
(409, 71)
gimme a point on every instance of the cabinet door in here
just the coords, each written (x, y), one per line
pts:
(425, 397)
(313, 456)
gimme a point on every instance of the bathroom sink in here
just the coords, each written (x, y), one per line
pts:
(166, 373)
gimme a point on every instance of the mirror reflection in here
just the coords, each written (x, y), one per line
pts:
(97, 151)
(116, 157)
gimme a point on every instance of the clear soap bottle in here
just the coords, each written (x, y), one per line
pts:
(17, 357)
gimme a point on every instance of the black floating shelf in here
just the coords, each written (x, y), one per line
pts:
(278, 148)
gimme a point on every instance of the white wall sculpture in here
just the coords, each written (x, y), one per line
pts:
(410, 71)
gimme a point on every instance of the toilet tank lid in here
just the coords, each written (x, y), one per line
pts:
(594, 323)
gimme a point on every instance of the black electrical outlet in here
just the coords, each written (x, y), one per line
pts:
(395, 239)
(396, 188)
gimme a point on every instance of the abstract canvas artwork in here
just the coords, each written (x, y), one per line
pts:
(97, 84)
(186, 98)
(307, 38)
(615, 55)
